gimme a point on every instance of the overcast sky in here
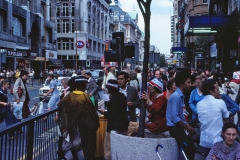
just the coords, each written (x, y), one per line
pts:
(161, 11)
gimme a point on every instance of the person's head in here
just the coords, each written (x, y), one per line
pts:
(1, 78)
(88, 75)
(210, 87)
(112, 86)
(157, 74)
(122, 78)
(199, 80)
(50, 76)
(171, 86)
(112, 70)
(79, 83)
(106, 70)
(133, 75)
(83, 72)
(183, 79)
(169, 69)
(5, 84)
(162, 70)
(155, 86)
(24, 75)
(149, 73)
(219, 77)
(65, 82)
(164, 80)
(138, 70)
(229, 133)
(171, 73)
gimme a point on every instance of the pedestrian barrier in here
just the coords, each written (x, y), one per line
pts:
(35, 138)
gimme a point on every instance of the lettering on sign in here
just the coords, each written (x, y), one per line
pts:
(17, 54)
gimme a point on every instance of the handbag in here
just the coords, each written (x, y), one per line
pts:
(73, 141)
(20, 90)
(17, 109)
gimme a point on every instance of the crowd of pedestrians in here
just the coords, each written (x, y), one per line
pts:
(175, 98)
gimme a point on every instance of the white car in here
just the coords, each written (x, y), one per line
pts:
(46, 88)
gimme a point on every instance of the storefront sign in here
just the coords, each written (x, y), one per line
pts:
(51, 54)
(17, 54)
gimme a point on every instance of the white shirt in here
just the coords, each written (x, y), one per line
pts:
(124, 91)
(211, 112)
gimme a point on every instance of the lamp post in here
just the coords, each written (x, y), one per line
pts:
(76, 50)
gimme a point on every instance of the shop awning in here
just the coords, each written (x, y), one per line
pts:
(55, 62)
(208, 25)
(179, 50)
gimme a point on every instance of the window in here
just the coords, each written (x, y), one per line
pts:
(196, 2)
(115, 18)
(58, 26)
(1, 22)
(73, 28)
(204, 1)
(65, 26)
(58, 11)
(73, 9)
(65, 11)
(19, 26)
(65, 44)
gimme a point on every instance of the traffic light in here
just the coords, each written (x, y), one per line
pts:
(87, 63)
(129, 49)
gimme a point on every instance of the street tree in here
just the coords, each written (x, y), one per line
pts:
(162, 60)
(144, 6)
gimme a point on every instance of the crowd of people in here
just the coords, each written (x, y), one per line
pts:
(174, 98)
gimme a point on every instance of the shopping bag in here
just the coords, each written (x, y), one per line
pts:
(93, 100)
(17, 109)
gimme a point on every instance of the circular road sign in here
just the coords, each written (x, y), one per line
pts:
(80, 44)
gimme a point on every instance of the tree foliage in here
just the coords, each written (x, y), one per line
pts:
(162, 60)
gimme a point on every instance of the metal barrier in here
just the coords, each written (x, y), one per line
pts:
(38, 139)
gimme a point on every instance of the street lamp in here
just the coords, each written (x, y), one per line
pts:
(76, 49)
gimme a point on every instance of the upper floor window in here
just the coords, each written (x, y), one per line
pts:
(65, 25)
(18, 26)
(65, 11)
(73, 9)
(204, 1)
(115, 18)
(58, 11)
(196, 2)
(1, 22)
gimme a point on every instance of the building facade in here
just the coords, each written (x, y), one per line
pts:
(85, 23)
(22, 35)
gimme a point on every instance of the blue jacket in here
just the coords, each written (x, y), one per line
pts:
(193, 100)
(231, 105)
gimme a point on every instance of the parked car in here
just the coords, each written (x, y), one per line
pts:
(46, 88)
(98, 76)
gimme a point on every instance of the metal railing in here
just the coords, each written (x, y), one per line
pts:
(35, 138)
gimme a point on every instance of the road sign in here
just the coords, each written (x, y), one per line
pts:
(80, 44)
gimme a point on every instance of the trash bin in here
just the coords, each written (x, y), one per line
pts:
(100, 136)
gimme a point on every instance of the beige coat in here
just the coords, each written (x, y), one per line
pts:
(19, 82)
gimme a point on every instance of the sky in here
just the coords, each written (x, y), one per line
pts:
(160, 25)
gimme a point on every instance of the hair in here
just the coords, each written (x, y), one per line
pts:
(215, 77)
(171, 73)
(51, 76)
(208, 86)
(23, 72)
(169, 69)
(107, 68)
(201, 77)
(164, 77)
(170, 83)
(126, 76)
(3, 82)
(138, 70)
(79, 85)
(113, 71)
(65, 80)
(111, 89)
(89, 73)
(133, 75)
(227, 126)
(157, 90)
(182, 74)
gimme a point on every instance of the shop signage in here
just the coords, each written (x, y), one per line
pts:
(17, 54)
(80, 44)
(51, 54)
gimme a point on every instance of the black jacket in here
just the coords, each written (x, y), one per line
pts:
(117, 113)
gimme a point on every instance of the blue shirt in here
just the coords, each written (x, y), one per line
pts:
(193, 100)
(175, 106)
(53, 84)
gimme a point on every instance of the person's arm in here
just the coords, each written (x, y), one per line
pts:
(136, 101)
(156, 105)
(51, 85)
(95, 86)
(15, 90)
(191, 104)
(175, 103)
(103, 83)
(212, 154)
(225, 112)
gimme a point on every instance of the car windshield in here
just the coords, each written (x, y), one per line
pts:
(59, 82)
(94, 74)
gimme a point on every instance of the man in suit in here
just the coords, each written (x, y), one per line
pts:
(131, 93)
(92, 88)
